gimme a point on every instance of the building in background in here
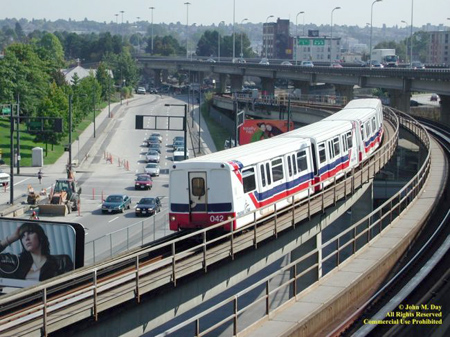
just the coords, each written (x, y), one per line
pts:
(438, 48)
(317, 48)
(277, 42)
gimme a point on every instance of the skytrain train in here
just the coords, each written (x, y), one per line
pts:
(233, 183)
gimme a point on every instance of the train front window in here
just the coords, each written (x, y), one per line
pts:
(198, 187)
(248, 180)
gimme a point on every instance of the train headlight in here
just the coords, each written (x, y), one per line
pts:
(173, 218)
(229, 217)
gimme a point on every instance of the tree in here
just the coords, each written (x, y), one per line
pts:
(165, 46)
(208, 43)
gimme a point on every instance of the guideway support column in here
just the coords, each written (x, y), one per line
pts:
(303, 86)
(157, 78)
(222, 83)
(344, 91)
(236, 82)
(400, 99)
(268, 85)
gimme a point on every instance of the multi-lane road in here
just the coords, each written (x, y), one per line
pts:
(99, 177)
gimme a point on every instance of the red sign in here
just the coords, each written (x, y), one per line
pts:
(256, 129)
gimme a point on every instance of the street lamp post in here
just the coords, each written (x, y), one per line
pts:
(69, 165)
(152, 8)
(242, 33)
(406, 23)
(187, 28)
(234, 34)
(331, 35)
(371, 29)
(218, 42)
(411, 42)
(93, 101)
(184, 126)
(296, 34)
(296, 24)
(270, 16)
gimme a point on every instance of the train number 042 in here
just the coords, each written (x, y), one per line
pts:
(216, 218)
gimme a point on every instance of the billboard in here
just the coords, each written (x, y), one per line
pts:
(32, 251)
(257, 129)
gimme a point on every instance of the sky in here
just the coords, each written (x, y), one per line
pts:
(208, 12)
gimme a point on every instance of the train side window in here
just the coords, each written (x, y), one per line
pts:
(198, 187)
(290, 172)
(294, 163)
(269, 179)
(277, 169)
(374, 125)
(344, 143)
(337, 148)
(349, 140)
(331, 149)
(363, 132)
(248, 180)
(322, 153)
(301, 161)
(263, 175)
(367, 127)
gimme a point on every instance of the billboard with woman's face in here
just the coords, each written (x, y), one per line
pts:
(33, 251)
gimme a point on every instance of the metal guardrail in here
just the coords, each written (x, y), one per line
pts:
(98, 289)
(125, 239)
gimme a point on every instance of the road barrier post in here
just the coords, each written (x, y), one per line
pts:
(93, 193)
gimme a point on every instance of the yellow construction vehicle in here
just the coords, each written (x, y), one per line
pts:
(63, 199)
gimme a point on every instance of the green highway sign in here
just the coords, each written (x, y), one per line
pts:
(303, 42)
(319, 42)
(6, 111)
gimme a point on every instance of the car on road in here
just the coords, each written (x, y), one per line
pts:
(155, 146)
(307, 64)
(140, 91)
(148, 206)
(4, 178)
(116, 203)
(417, 65)
(143, 182)
(375, 64)
(152, 156)
(152, 139)
(239, 60)
(264, 61)
(286, 63)
(177, 138)
(178, 143)
(153, 91)
(211, 60)
(152, 168)
(336, 65)
(434, 98)
(414, 103)
(156, 135)
(178, 154)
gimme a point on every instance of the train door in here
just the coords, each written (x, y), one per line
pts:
(198, 196)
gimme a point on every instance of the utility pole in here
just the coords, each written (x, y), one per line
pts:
(11, 140)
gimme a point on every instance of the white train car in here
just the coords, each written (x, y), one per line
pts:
(367, 114)
(213, 188)
(234, 182)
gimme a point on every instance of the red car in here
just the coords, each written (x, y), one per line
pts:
(143, 182)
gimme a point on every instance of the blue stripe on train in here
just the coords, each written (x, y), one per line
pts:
(218, 207)
(283, 187)
(332, 166)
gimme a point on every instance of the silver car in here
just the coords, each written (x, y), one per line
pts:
(152, 156)
(152, 169)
